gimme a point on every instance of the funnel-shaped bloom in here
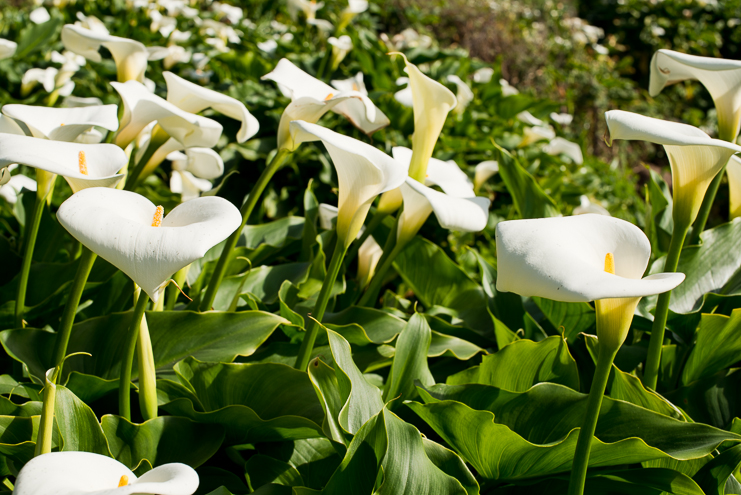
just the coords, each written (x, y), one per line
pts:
(404, 96)
(432, 102)
(562, 118)
(464, 95)
(363, 172)
(7, 48)
(721, 77)
(354, 7)
(340, 48)
(10, 190)
(444, 174)
(130, 56)
(483, 75)
(586, 206)
(131, 233)
(311, 98)
(194, 98)
(83, 165)
(192, 169)
(734, 185)
(564, 259)
(532, 135)
(76, 473)
(561, 146)
(529, 119)
(142, 107)
(62, 124)
(695, 157)
(483, 172)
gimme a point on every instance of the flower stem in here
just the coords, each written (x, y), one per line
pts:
(707, 205)
(651, 371)
(372, 226)
(220, 270)
(159, 137)
(124, 393)
(147, 372)
(172, 291)
(85, 265)
(28, 246)
(586, 433)
(304, 353)
(46, 422)
(391, 250)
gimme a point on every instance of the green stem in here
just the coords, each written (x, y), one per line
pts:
(304, 353)
(124, 383)
(369, 229)
(87, 259)
(220, 270)
(586, 433)
(46, 422)
(28, 247)
(707, 205)
(157, 140)
(371, 294)
(147, 372)
(172, 291)
(651, 371)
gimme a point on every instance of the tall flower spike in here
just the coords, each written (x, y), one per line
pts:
(721, 77)
(63, 124)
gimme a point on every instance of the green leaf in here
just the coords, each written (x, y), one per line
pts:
(528, 197)
(261, 470)
(449, 462)
(410, 361)
(77, 424)
(263, 282)
(362, 326)
(35, 36)
(314, 458)
(571, 319)
(718, 346)
(504, 306)
(522, 364)
(713, 400)
(327, 388)
(713, 476)
(161, 441)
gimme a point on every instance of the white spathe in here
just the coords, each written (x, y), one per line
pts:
(563, 258)
(117, 226)
(102, 161)
(404, 96)
(11, 189)
(193, 98)
(355, 83)
(192, 169)
(363, 172)
(483, 171)
(63, 124)
(369, 254)
(561, 146)
(327, 216)
(78, 473)
(695, 158)
(7, 48)
(562, 118)
(464, 95)
(529, 119)
(586, 206)
(312, 98)
(532, 135)
(483, 75)
(734, 185)
(721, 77)
(444, 174)
(142, 108)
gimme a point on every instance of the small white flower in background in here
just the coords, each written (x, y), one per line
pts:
(658, 31)
(507, 88)
(92, 23)
(464, 95)
(7, 48)
(308, 7)
(355, 83)
(192, 170)
(82, 472)
(47, 78)
(223, 31)
(483, 171)
(404, 96)
(231, 13)
(602, 50)
(218, 44)
(561, 146)
(71, 63)
(354, 7)
(199, 75)
(248, 24)
(587, 206)
(13, 187)
(180, 36)
(164, 24)
(409, 38)
(39, 15)
(562, 118)
(529, 119)
(175, 54)
(278, 27)
(534, 134)
(268, 46)
(483, 75)
(340, 48)
(327, 216)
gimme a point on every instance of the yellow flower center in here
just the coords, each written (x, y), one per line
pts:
(158, 214)
(124, 481)
(355, 87)
(82, 162)
(610, 263)
(329, 97)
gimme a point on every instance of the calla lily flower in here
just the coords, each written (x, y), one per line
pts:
(355, 83)
(10, 190)
(192, 169)
(311, 98)
(268, 46)
(229, 12)
(721, 77)
(363, 172)
(340, 48)
(432, 102)
(532, 135)
(562, 118)
(464, 94)
(561, 146)
(529, 119)
(354, 7)
(444, 174)
(308, 7)
(47, 78)
(130, 56)
(404, 96)
(483, 75)
(194, 98)
(7, 48)
(327, 216)
(142, 107)
(483, 171)
(695, 157)
(82, 165)
(62, 124)
(73, 473)
(734, 185)
(586, 206)
(325, 27)
(92, 23)
(507, 88)
(175, 54)
(133, 234)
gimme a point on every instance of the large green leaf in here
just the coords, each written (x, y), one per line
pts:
(522, 364)
(714, 475)
(713, 400)
(77, 424)
(410, 361)
(528, 197)
(571, 319)
(18, 438)
(314, 458)
(718, 346)
(505, 306)
(327, 388)
(34, 36)
(363, 326)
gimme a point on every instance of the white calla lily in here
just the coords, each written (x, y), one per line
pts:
(721, 77)
(369, 254)
(532, 135)
(695, 157)
(82, 165)
(308, 7)
(561, 146)
(363, 172)
(507, 88)
(62, 124)
(130, 56)
(404, 96)
(354, 7)
(75, 473)
(444, 174)
(562, 118)
(483, 171)
(734, 185)
(327, 216)
(194, 98)
(529, 119)
(311, 98)
(268, 46)
(340, 48)
(587, 206)
(355, 83)
(11, 189)
(142, 107)
(464, 95)
(121, 227)
(7, 48)
(192, 169)
(483, 75)
(47, 78)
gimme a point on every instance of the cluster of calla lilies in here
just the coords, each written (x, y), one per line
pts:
(590, 257)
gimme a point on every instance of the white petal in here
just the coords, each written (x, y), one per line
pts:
(563, 258)
(7, 48)
(327, 216)
(76, 101)
(734, 185)
(343, 43)
(363, 172)
(194, 98)
(39, 15)
(355, 83)
(534, 134)
(631, 126)
(405, 97)
(561, 146)
(63, 124)
(9, 126)
(193, 186)
(268, 46)
(102, 160)
(168, 479)
(483, 172)
(10, 190)
(157, 52)
(447, 175)
(562, 118)
(464, 94)
(116, 225)
(369, 255)
(204, 163)
(176, 182)
(130, 55)
(142, 107)
(586, 206)
(93, 136)
(357, 6)
(297, 82)
(529, 119)
(483, 75)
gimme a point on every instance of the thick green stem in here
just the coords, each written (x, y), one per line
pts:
(369, 229)
(584, 443)
(172, 290)
(87, 259)
(220, 270)
(304, 353)
(46, 422)
(707, 205)
(124, 383)
(371, 294)
(158, 138)
(651, 371)
(28, 247)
